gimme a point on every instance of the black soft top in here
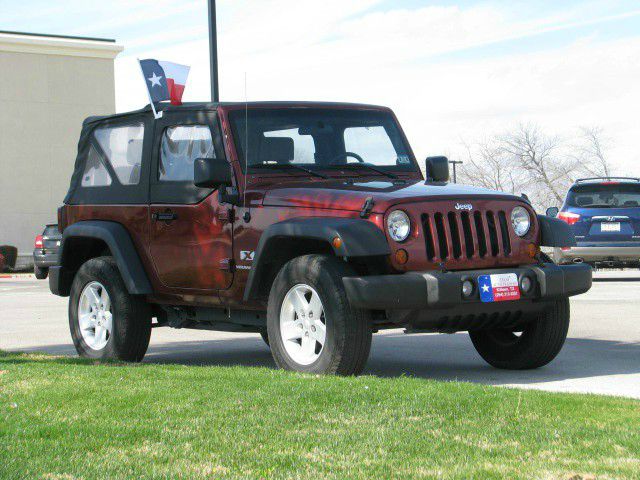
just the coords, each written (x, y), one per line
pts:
(167, 107)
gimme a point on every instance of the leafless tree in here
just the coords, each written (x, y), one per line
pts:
(549, 171)
(525, 159)
(591, 152)
(486, 165)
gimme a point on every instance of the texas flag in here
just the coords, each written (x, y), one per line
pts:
(499, 288)
(165, 80)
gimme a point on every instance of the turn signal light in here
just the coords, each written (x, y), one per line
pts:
(569, 217)
(402, 256)
(39, 243)
(533, 250)
(337, 242)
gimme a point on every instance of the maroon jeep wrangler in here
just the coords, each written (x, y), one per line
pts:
(309, 223)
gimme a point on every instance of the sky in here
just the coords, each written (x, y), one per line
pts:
(453, 71)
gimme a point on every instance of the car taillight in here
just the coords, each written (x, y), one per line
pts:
(569, 217)
(39, 243)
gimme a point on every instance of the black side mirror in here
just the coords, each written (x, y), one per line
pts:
(553, 211)
(211, 173)
(437, 169)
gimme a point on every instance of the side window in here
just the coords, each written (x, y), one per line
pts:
(181, 147)
(95, 173)
(122, 145)
(372, 144)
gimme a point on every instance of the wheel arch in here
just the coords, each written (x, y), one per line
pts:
(84, 240)
(286, 240)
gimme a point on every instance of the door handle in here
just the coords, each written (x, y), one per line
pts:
(164, 216)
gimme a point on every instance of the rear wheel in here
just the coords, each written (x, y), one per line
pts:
(105, 321)
(40, 273)
(311, 325)
(536, 345)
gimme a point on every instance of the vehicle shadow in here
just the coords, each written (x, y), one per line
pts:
(437, 357)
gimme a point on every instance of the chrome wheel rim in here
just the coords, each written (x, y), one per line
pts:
(95, 317)
(303, 327)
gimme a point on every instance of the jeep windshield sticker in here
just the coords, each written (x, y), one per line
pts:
(403, 159)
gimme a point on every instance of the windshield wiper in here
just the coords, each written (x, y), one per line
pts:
(365, 165)
(287, 166)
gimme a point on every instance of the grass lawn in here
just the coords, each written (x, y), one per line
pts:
(64, 418)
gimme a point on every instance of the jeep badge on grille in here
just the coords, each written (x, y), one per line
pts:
(464, 206)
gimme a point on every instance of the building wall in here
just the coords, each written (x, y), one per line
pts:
(47, 88)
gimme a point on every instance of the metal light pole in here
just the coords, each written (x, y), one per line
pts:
(213, 51)
(454, 163)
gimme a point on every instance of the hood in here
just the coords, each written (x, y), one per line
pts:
(347, 195)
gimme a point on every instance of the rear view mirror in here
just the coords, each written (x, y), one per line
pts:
(437, 169)
(211, 173)
(553, 211)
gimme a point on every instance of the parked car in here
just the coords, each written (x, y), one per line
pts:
(45, 252)
(604, 214)
(309, 223)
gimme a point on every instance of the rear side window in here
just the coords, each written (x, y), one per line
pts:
(604, 196)
(95, 173)
(122, 147)
(181, 147)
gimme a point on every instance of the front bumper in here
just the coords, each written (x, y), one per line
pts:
(443, 290)
(599, 253)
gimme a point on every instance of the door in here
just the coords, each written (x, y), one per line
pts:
(190, 235)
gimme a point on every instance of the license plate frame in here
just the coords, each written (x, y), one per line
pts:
(610, 227)
(499, 287)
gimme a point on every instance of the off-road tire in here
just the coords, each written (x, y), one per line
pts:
(540, 341)
(131, 314)
(40, 273)
(348, 329)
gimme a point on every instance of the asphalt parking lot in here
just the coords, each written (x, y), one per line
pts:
(602, 353)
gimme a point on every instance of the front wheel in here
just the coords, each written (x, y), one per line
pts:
(106, 322)
(539, 342)
(311, 325)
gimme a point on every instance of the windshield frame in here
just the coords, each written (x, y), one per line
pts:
(236, 115)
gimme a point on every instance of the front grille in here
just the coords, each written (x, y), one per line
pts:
(464, 235)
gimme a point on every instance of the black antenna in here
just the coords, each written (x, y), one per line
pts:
(213, 51)
(247, 213)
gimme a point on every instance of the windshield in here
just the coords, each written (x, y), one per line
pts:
(604, 196)
(320, 139)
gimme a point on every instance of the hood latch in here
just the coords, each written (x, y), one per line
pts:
(367, 208)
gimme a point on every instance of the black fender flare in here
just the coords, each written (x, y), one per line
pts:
(121, 246)
(359, 238)
(555, 233)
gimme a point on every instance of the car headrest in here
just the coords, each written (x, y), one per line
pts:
(276, 149)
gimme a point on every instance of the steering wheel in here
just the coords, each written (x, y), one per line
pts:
(345, 155)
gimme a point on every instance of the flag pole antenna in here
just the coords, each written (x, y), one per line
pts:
(156, 114)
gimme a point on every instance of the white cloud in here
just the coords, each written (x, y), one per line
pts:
(335, 50)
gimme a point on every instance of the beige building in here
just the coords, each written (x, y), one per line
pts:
(48, 85)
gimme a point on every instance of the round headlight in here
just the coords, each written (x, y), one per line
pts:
(399, 225)
(521, 221)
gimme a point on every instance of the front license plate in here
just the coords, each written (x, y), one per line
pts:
(610, 227)
(501, 287)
